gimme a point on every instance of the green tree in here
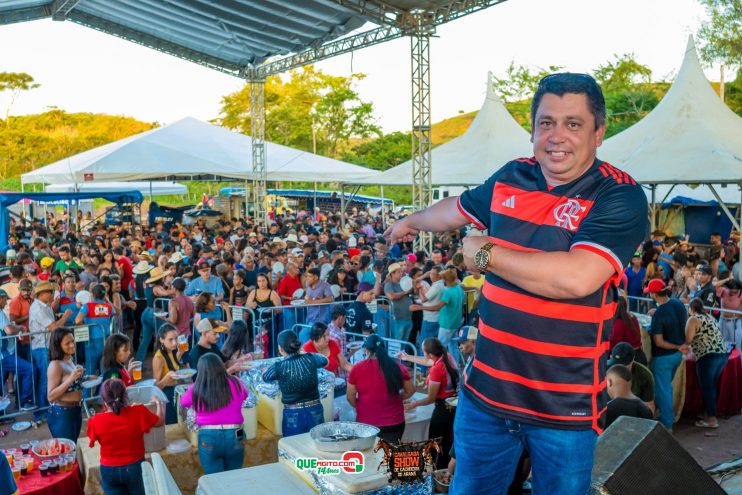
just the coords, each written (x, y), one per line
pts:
(382, 153)
(520, 81)
(721, 34)
(309, 110)
(629, 92)
(15, 82)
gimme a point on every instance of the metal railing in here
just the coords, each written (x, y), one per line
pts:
(20, 366)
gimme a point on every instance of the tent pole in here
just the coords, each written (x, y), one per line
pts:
(315, 196)
(654, 208)
(150, 191)
(342, 206)
(724, 207)
(383, 212)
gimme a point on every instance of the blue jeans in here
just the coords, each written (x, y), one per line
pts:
(122, 480)
(149, 329)
(381, 318)
(12, 363)
(663, 369)
(428, 330)
(708, 369)
(562, 460)
(445, 335)
(40, 361)
(302, 419)
(401, 329)
(65, 422)
(220, 450)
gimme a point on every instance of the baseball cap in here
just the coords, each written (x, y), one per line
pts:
(47, 262)
(467, 332)
(205, 325)
(3, 293)
(706, 269)
(622, 353)
(323, 254)
(393, 268)
(297, 252)
(655, 285)
(10, 254)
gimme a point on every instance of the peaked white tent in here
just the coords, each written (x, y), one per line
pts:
(146, 188)
(187, 149)
(492, 139)
(690, 137)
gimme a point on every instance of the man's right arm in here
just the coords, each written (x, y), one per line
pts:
(443, 216)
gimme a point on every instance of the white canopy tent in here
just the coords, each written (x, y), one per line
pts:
(191, 149)
(690, 137)
(492, 139)
(146, 188)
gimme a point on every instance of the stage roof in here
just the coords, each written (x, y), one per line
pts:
(231, 35)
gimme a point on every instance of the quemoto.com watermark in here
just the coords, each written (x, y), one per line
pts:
(351, 462)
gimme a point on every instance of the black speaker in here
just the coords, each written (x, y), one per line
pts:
(638, 456)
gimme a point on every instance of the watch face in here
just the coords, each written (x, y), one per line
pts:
(481, 259)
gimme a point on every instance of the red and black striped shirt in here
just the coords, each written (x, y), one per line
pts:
(540, 360)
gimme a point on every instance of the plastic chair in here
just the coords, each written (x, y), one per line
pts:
(165, 483)
(148, 475)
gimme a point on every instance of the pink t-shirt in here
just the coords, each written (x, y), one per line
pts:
(230, 415)
(375, 406)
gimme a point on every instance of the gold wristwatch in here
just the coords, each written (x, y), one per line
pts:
(482, 256)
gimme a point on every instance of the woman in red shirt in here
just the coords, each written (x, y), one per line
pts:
(442, 383)
(120, 432)
(626, 329)
(377, 387)
(320, 343)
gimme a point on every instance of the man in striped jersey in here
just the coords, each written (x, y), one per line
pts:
(561, 226)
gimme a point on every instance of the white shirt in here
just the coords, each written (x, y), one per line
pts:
(433, 296)
(40, 316)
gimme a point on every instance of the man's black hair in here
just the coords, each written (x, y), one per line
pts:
(567, 82)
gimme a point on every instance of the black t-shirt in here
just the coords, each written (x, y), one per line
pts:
(297, 377)
(669, 321)
(707, 294)
(356, 315)
(626, 407)
(199, 351)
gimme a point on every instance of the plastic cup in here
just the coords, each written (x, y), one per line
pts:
(25, 447)
(62, 465)
(16, 472)
(182, 343)
(29, 461)
(136, 370)
(44, 470)
(53, 468)
(24, 469)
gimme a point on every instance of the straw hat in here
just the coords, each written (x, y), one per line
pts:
(44, 287)
(144, 255)
(135, 244)
(176, 257)
(142, 267)
(205, 326)
(155, 275)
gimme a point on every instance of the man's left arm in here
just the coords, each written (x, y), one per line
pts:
(607, 237)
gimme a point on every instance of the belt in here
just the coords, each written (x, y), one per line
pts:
(299, 405)
(219, 427)
(67, 404)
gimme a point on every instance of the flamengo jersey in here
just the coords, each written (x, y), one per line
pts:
(542, 361)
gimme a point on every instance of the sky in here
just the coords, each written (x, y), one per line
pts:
(82, 70)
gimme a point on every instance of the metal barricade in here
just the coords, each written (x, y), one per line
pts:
(11, 362)
(393, 347)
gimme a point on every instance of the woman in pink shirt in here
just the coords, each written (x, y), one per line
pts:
(377, 387)
(730, 296)
(217, 399)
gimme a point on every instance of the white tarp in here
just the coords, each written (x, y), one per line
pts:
(493, 139)
(146, 188)
(730, 195)
(189, 148)
(690, 137)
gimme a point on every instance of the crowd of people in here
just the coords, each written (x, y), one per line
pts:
(167, 298)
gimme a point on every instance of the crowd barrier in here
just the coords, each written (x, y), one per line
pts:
(26, 370)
